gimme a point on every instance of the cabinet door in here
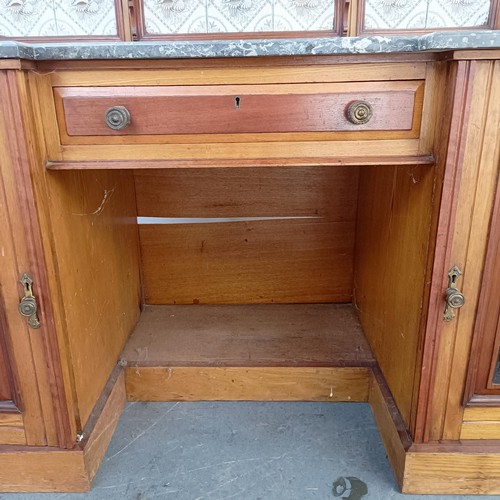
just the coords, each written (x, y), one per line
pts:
(33, 408)
(484, 376)
(11, 420)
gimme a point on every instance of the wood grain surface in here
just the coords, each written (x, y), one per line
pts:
(486, 340)
(352, 161)
(11, 424)
(474, 156)
(248, 335)
(48, 469)
(390, 425)
(95, 240)
(392, 239)
(247, 384)
(245, 71)
(286, 260)
(319, 191)
(280, 261)
(238, 109)
(34, 355)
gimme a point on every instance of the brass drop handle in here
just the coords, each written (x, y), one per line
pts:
(454, 298)
(117, 117)
(28, 306)
(359, 112)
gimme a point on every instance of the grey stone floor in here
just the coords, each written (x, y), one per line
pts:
(244, 451)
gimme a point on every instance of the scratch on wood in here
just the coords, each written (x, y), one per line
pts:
(107, 195)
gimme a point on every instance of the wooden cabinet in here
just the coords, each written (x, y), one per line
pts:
(240, 237)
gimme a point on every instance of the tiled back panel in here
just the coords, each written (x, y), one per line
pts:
(92, 18)
(53, 18)
(425, 14)
(233, 16)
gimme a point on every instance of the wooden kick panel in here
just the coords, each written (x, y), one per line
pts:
(307, 335)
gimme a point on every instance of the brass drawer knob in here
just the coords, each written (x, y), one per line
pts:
(359, 112)
(117, 117)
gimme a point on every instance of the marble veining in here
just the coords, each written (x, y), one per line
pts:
(450, 40)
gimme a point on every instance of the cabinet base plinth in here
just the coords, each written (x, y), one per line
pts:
(459, 472)
(453, 468)
(44, 469)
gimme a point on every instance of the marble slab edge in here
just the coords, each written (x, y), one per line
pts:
(439, 41)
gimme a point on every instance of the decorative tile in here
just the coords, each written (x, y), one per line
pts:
(303, 15)
(175, 16)
(19, 18)
(425, 14)
(53, 18)
(457, 13)
(85, 17)
(395, 14)
(235, 16)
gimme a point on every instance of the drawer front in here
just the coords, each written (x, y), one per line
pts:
(239, 109)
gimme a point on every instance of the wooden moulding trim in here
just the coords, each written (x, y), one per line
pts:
(480, 430)
(492, 400)
(46, 469)
(460, 98)
(99, 437)
(17, 64)
(249, 62)
(460, 55)
(469, 446)
(224, 163)
(241, 72)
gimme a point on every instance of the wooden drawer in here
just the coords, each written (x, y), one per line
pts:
(240, 109)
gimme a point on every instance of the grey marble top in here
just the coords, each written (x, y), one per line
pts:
(439, 41)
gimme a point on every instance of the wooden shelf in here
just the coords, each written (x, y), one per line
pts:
(248, 352)
(249, 335)
(325, 161)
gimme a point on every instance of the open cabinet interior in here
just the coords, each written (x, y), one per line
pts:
(322, 279)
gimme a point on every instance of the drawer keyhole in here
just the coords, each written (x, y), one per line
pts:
(237, 101)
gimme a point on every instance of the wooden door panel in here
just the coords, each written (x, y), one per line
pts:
(5, 386)
(484, 379)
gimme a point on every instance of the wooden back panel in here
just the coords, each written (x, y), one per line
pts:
(296, 260)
